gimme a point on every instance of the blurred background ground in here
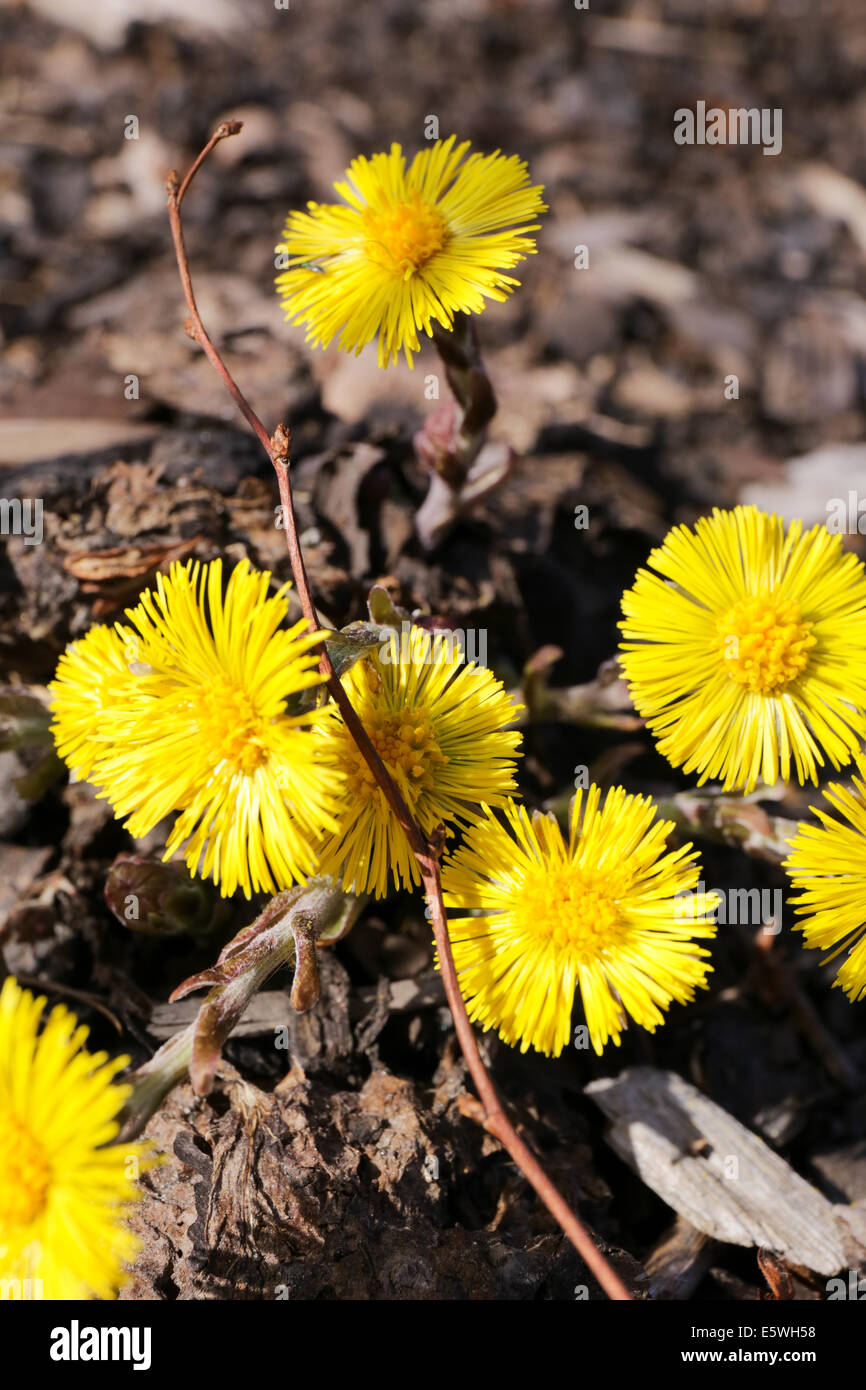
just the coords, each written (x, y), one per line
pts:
(705, 263)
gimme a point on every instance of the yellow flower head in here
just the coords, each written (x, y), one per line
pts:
(93, 677)
(186, 711)
(408, 247)
(747, 648)
(65, 1192)
(439, 724)
(598, 914)
(828, 864)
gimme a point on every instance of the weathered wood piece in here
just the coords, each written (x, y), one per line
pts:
(716, 1173)
(679, 1262)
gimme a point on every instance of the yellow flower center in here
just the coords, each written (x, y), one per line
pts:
(765, 642)
(406, 742)
(25, 1174)
(229, 728)
(403, 236)
(577, 908)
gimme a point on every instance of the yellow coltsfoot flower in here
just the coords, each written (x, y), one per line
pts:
(746, 649)
(185, 710)
(408, 247)
(607, 914)
(439, 724)
(65, 1191)
(93, 678)
(828, 864)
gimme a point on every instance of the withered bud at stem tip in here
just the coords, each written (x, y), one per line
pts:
(437, 841)
(281, 443)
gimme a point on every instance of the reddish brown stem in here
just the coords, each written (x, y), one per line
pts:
(195, 327)
(277, 447)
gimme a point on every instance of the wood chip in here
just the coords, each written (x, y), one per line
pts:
(19, 868)
(679, 1262)
(730, 1185)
